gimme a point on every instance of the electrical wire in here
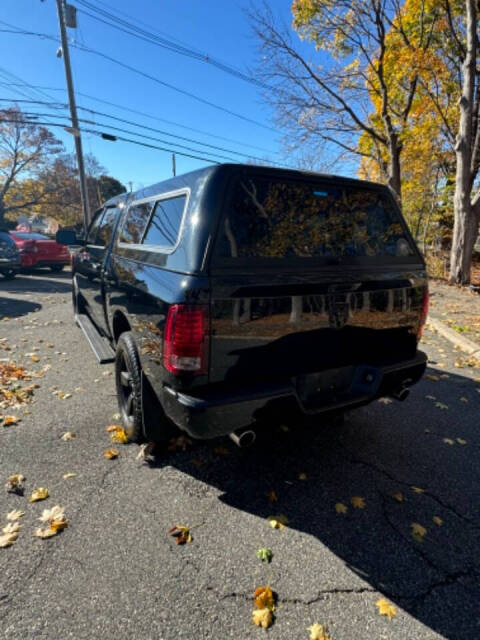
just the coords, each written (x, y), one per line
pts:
(142, 73)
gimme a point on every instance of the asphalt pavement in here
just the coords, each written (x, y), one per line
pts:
(115, 573)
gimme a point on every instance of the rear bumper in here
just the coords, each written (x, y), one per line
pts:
(7, 264)
(218, 414)
(30, 262)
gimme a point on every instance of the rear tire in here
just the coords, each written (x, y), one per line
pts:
(128, 380)
(9, 275)
(56, 268)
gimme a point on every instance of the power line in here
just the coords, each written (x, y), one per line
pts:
(142, 73)
(140, 126)
(158, 119)
(102, 134)
(153, 38)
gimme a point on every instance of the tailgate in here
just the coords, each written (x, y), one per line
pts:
(270, 328)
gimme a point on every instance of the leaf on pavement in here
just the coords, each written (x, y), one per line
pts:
(358, 502)
(39, 494)
(8, 421)
(437, 520)
(418, 490)
(386, 608)
(302, 476)
(221, 451)
(265, 555)
(179, 444)
(430, 397)
(111, 454)
(263, 598)
(278, 522)
(418, 531)
(181, 533)
(15, 483)
(461, 441)
(15, 514)
(463, 399)
(66, 476)
(262, 617)
(68, 435)
(432, 377)
(385, 400)
(12, 527)
(35, 358)
(118, 435)
(7, 539)
(272, 496)
(441, 405)
(146, 452)
(341, 508)
(318, 632)
(448, 441)
(398, 496)
(56, 520)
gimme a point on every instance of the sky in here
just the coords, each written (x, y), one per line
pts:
(218, 28)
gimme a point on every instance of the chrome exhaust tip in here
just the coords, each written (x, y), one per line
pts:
(243, 437)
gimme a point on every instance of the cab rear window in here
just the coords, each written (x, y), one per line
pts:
(268, 218)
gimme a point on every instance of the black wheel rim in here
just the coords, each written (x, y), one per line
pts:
(126, 393)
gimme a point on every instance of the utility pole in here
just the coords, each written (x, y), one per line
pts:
(73, 113)
(174, 165)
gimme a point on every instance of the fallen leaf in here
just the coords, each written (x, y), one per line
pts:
(68, 435)
(116, 416)
(179, 444)
(263, 598)
(429, 397)
(448, 441)
(197, 462)
(112, 427)
(431, 377)
(8, 421)
(181, 533)
(272, 496)
(399, 497)
(284, 428)
(341, 508)
(15, 483)
(146, 452)
(318, 632)
(12, 527)
(385, 608)
(418, 531)
(358, 502)
(39, 494)
(35, 358)
(463, 399)
(385, 400)
(461, 441)
(15, 514)
(110, 454)
(278, 522)
(437, 520)
(264, 554)
(221, 451)
(118, 435)
(302, 476)
(8, 539)
(262, 617)
(441, 405)
(418, 490)
(69, 475)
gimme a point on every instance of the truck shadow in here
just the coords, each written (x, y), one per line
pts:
(14, 307)
(405, 461)
(42, 282)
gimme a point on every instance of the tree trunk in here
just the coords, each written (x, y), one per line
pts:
(2, 214)
(394, 169)
(465, 221)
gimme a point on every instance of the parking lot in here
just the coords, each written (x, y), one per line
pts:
(116, 573)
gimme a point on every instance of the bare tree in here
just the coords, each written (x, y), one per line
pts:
(26, 152)
(327, 100)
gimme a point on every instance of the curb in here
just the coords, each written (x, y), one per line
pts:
(470, 347)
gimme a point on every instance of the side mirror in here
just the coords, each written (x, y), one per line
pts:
(67, 236)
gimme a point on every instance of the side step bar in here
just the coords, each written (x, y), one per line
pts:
(100, 345)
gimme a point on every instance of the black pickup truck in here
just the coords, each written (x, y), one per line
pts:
(233, 291)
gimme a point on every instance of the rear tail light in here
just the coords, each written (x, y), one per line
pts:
(185, 340)
(424, 313)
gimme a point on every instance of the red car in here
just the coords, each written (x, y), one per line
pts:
(37, 250)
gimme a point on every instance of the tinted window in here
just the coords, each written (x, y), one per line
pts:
(6, 240)
(105, 228)
(135, 222)
(271, 218)
(92, 230)
(165, 224)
